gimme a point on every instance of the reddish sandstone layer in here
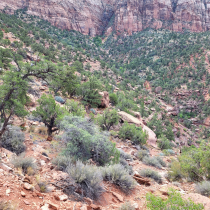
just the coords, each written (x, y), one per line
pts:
(96, 16)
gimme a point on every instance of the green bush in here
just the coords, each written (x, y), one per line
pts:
(175, 171)
(13, 140)
(108, 119)
(75, 108)
(27, 164)
(195, 163)
(151, 174)
(164, 143)
(135, 134)
(84, 141)
(89, 92)
(113, 99)
(119, 176)
(88, 177)
(174, 201)
(127, 206)
(203, 188)
(141, 154)
(125, 103)
(154, 161)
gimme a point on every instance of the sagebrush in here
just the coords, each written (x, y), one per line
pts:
(118, 175)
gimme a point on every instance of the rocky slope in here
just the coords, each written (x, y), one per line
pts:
(96, 17)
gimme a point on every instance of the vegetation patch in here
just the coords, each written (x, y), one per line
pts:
(151, 174)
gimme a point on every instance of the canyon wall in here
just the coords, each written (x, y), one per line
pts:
(95, 17)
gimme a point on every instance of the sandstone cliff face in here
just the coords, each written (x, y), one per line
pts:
(92, 17)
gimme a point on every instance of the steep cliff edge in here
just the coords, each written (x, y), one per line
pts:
(92, 17)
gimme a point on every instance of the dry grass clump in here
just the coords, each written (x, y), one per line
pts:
(7, 205)
(26, 164)
(42, 130)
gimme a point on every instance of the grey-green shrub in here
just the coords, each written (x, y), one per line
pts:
(153, 161)
(25, 163)
(203, 188)
(127, 206)
(127, 167)
(118, 175)
(151, 174)
(123, 161)
(62, 162)
(84, 141)
(125, 155)
(161, 161)
(13, 140)
(88, 177)
(142, 153)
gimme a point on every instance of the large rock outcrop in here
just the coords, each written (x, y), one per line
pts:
(105, 99)
(94, 17)
(152, 139)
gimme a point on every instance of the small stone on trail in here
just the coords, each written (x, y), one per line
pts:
(52, 205)
(8, 192)
(45, 207)
(26, 202)
(23, 194)
(27, 186)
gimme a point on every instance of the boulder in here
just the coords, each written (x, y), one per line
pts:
(105, 99)
(27, 186)
(130, 119)
(152, 139)
(22, 194)
(142, 180)
(94, 207)
(52, 205)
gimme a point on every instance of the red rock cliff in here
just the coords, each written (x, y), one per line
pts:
(97, 16)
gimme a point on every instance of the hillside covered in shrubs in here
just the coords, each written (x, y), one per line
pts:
(118, 122)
